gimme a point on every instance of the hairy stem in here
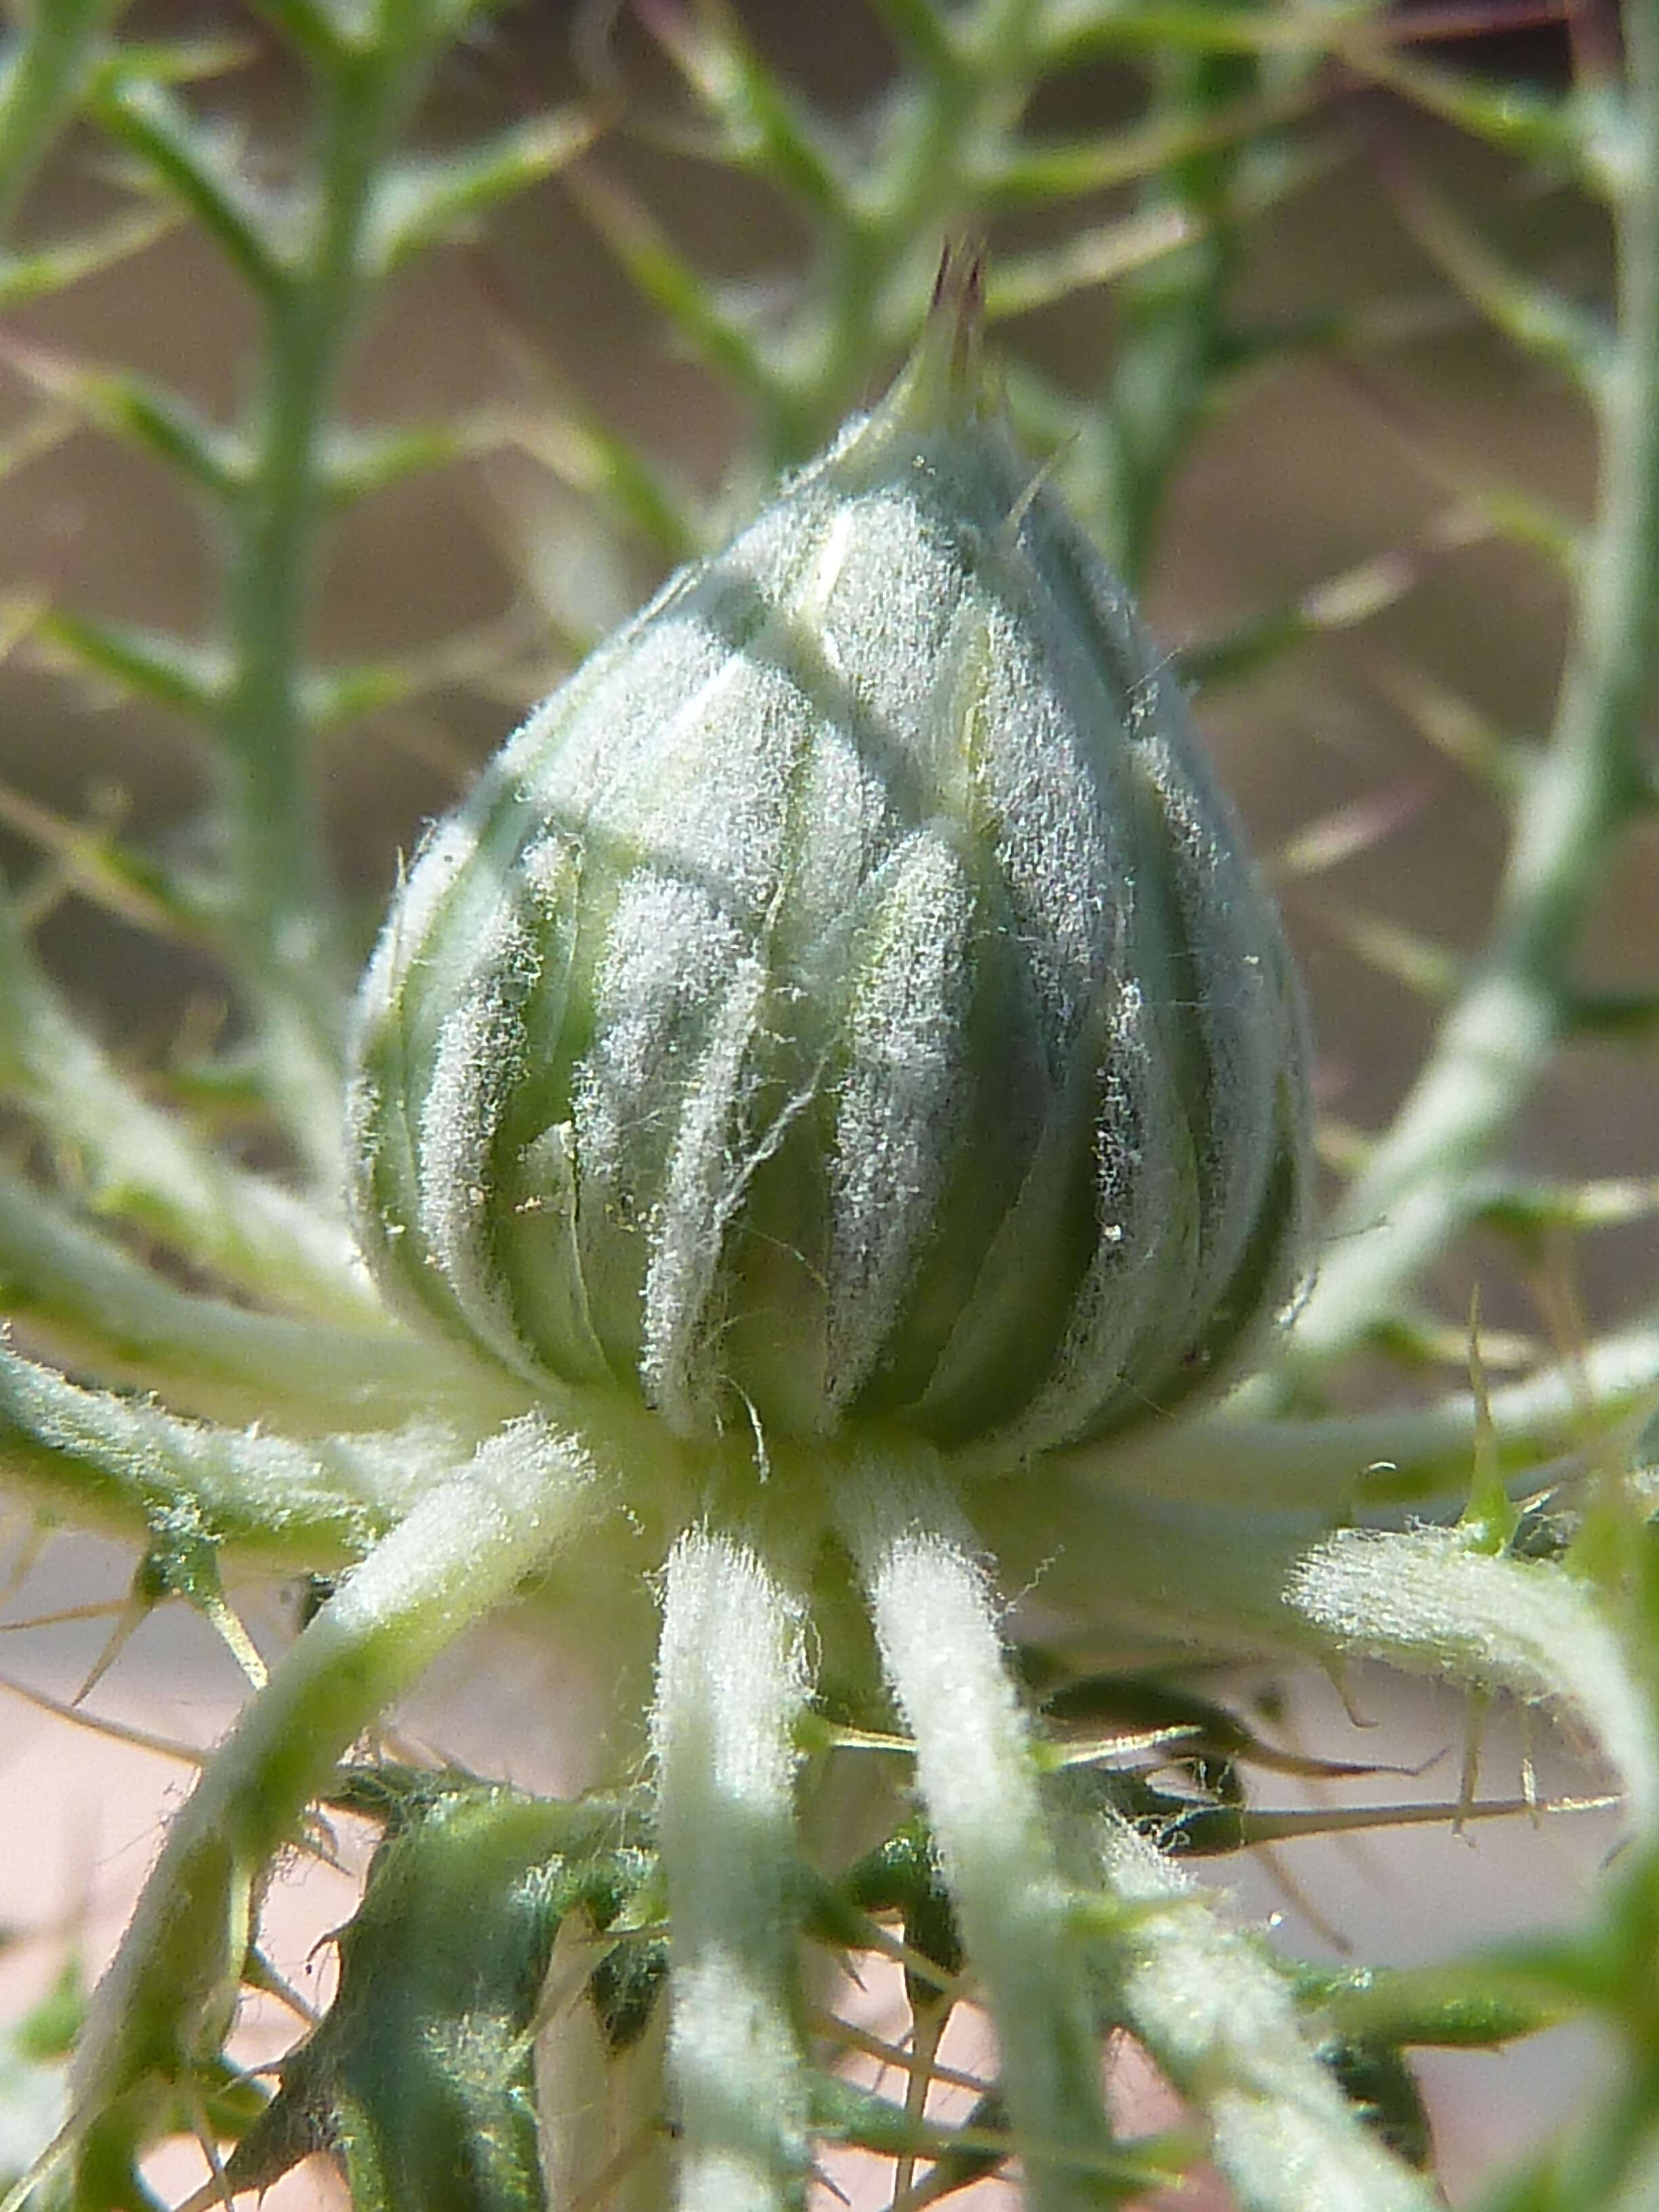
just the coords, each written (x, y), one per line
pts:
(168, 1998)
(1429, 1599)
(731, 1684)
(936, 1628)
(1219, 2017)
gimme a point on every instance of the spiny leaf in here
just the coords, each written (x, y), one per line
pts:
(114, 1462)
(420, 2076)
(1218, 1831)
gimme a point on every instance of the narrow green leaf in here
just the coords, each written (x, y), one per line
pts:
(335, 696)
(357, 463)
(761, 125)
(198, 166)
(620, 476)
(148, 663)
(133, 408)
(926, 32)
(1040, 174)
(418, 201)
(1531, 1209)
(688, 299)
(133, 1160)
(47, 269)
(1522, 119)
(1428, 969)
(1067, 32)
(87, 858)
(312, 28)
(1540, 321)
(1342, 602)
(1458, 731)
(1474, 2004)
(44, 70)
(1632, 1015)
(174, 61)
(1098, 255)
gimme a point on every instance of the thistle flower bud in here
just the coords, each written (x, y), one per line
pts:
(848, 1000)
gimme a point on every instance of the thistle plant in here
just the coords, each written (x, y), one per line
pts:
(822, 1148)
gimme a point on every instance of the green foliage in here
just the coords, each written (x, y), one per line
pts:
(210, 1374)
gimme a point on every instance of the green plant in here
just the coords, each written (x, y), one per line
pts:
(182, 1234)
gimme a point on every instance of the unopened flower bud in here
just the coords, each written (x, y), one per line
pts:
(848, 1000)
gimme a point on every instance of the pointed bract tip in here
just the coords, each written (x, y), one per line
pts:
(946, 380)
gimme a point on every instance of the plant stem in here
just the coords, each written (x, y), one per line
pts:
(1421, 1185)
(1429, 1599)
(936, 1628)
(285, 929)
(166, 2000)
(730, 1684)
(1219, 2020)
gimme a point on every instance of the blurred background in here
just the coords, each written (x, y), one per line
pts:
(1348, 478)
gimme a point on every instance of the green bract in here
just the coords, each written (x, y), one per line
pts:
(848, 1000)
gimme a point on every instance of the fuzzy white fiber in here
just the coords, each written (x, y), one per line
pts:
(1428, 1599)
(1219, 2017)
(936, 1627)
(732, 1678)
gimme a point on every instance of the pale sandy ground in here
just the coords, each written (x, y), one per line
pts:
(80, 1817)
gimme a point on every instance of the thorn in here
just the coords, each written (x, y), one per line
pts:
(118, 1731)
(134, 1614)
(1468, 1781)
